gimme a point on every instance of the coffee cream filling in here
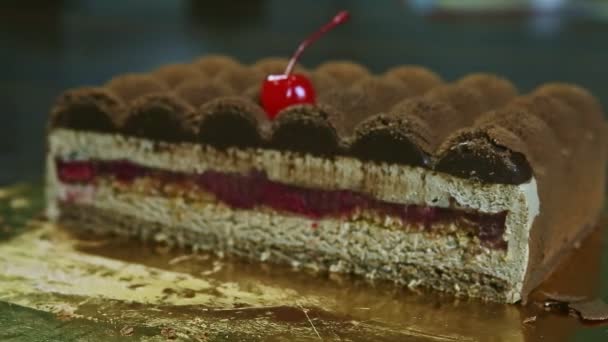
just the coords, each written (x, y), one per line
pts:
(391, 183)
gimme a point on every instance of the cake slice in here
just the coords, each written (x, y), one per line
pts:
(464, 187)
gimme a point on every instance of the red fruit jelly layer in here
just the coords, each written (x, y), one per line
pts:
(255, 189)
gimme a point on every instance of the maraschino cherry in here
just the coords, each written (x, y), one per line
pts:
(287, 89)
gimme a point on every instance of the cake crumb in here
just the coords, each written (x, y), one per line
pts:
(64, 312)
(19, 203)
(265, 256)
(168, 333)
(126, 331)
(187, 257)
(201, 337)
(217, 266)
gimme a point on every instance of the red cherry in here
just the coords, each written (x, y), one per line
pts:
(281, 91)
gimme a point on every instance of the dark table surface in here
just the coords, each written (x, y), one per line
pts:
(48, 46)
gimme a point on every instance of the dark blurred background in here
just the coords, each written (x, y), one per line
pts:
(49, 45)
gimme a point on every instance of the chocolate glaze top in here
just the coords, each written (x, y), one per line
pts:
(476, 127)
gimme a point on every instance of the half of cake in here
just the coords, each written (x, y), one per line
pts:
(465, 187)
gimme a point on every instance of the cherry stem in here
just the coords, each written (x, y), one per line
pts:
(340, 18)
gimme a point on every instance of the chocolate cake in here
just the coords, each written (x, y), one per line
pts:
(466, 187)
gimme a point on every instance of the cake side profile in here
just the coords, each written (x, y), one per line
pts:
(466, 187)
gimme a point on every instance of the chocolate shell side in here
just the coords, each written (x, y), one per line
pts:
(306, 129)
(230, 122)
(88, 109)
(474, 154)
(160, 117)
(399, 139)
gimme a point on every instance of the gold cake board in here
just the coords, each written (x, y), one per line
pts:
(59, 285)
